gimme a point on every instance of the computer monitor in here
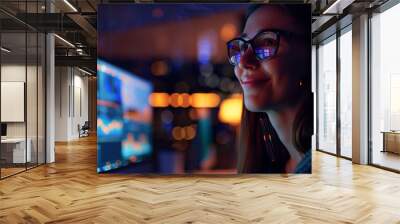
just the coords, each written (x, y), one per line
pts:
(3, 129)
(123, 117)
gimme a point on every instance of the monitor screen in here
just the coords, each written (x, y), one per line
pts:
(124, 117)
(3, 129)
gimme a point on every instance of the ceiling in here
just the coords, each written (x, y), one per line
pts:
(80, 27)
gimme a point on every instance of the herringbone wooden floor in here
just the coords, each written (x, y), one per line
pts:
(70, 191)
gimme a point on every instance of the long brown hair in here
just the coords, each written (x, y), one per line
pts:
(261, 150)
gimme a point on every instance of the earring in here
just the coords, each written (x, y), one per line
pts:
(267, 137)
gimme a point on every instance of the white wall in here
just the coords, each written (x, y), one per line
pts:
(12, 73)
(33, 126)
(62, 81)
(16, 73)
(71, 94)
(80, 110)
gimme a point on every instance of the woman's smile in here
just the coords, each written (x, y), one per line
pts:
(248, 83)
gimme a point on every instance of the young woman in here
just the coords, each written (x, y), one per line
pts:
(272, 61)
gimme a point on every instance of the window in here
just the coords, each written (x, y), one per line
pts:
(22, 88)
(385, 88)
(346, 93)
(327, 96)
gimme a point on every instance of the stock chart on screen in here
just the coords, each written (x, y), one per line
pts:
(123, 117)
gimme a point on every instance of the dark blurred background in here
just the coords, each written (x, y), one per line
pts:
(196, 99)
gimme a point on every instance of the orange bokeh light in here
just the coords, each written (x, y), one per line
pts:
(178, 133)
(159, 99)
(185, 100)
(231, 110)
(174, 100)
(190, 132)
(159, 68)
(228, 32)
(205, 100)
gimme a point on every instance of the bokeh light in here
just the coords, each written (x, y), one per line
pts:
(159, 99)
(205, 100)
(228, 32)
(159, 68)
(230, 111)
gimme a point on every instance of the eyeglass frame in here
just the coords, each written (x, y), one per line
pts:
(251, 42)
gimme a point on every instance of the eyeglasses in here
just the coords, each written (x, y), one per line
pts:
(264, 46)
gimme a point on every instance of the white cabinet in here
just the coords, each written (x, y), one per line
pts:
(19, 155)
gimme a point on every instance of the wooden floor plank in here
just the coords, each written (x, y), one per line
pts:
(70, 191)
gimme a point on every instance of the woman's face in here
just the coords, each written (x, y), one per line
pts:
(275, 82)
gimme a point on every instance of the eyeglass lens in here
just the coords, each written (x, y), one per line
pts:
(263, 45)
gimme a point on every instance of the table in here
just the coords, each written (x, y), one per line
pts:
(16, 147)
(391, 141)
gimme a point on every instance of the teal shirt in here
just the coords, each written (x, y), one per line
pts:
(305, 164)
